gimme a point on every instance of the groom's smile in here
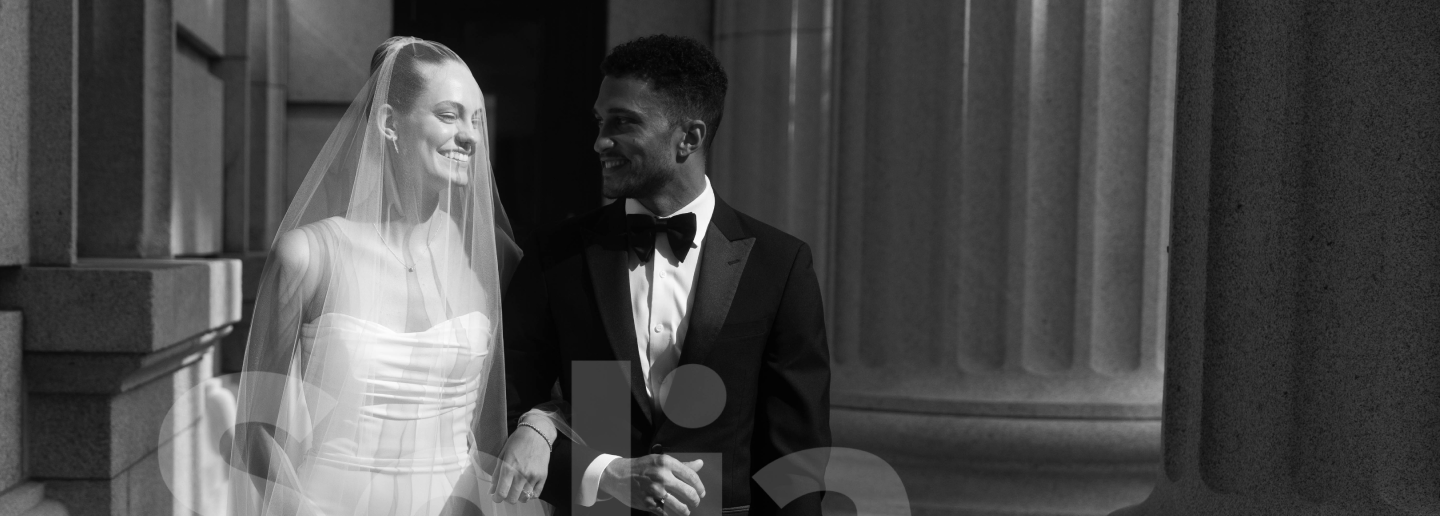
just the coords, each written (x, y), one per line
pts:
(635, 138)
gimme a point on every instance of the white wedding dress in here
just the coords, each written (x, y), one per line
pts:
(397, 226)
(397, 439)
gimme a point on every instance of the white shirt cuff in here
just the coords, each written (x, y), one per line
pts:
(590, 482)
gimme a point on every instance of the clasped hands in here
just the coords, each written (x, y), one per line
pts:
(656, 483)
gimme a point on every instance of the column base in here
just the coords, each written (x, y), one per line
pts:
(1190, 497)
(971, 466)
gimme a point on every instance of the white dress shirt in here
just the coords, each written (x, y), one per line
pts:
(660, 299)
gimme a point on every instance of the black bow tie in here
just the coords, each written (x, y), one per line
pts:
(642, 229)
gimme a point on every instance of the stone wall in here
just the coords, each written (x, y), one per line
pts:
(103, 332)
(330, 44)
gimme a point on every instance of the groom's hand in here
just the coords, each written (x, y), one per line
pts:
(639, 482)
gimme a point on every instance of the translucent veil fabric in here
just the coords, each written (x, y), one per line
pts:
(373, 380)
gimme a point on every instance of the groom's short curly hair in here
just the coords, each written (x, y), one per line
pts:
(682, 70)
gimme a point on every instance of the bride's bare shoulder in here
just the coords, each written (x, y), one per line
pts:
(301, 248)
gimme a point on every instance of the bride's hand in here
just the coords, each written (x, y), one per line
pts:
(524, 462)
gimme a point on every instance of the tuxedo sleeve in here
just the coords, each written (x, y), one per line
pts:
(793, 409)
(532, 359)
(530, 342)
(532, 365)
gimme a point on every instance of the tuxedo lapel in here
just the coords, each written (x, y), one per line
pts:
(611, 281)
(722, 263)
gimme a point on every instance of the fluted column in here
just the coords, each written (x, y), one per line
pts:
(1304, 315)
(773, 154)
(986, 184)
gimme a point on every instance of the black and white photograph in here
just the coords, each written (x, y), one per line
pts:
(719, 258)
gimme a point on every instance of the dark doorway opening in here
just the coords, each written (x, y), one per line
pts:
(540, 61)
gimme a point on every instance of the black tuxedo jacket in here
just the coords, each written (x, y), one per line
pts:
(756, 320)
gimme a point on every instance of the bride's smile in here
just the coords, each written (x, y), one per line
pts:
(455, 155)
(438, 131)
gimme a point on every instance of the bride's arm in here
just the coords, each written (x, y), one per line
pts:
(541, 422)
(531, 369)
(266, 438)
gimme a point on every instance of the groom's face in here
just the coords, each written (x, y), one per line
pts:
(636, 143)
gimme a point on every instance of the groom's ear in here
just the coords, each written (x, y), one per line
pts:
(692, 137)
(385, 121)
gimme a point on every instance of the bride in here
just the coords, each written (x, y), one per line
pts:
(373, 378)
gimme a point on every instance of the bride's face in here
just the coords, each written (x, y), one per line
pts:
(438, 135)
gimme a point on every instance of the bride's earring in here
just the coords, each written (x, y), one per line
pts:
(395, 142)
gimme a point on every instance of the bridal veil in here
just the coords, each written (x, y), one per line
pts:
(377, 322)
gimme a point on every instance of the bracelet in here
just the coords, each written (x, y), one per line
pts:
(548, 444)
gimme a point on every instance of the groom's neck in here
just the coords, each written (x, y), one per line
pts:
(688, 184)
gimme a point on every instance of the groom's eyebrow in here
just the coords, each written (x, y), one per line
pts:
(619, 110)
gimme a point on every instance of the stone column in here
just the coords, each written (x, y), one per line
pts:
(36, 204)
(253, 214)
(15, 51)
(234, 70)
(1301, 375)
(254, 143)
(126, 51)
(267, 64)
(54, 108)
(203, 131)
(773, 154)
(991, 225)
(630, 19)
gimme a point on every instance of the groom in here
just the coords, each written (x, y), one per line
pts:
(669, 278)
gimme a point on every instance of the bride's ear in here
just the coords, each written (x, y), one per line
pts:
(385, 121)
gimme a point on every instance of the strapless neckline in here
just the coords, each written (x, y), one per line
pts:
(460, 320)
(400, 402)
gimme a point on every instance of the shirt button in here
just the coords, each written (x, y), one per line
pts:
(657, 329)
(662, 274)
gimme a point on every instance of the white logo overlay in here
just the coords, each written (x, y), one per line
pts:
(195, 446)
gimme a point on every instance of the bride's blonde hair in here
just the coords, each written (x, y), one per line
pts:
(406, 83)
